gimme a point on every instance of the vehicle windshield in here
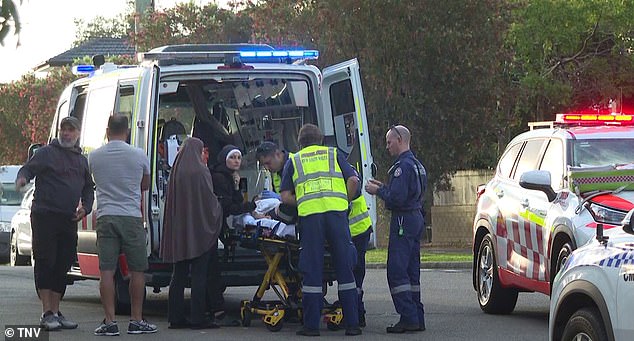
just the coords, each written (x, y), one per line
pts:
(603, 152)
(9, 195)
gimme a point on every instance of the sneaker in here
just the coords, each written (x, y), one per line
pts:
(66, 323)
(141, 327)
(107, 329)
(49, 321)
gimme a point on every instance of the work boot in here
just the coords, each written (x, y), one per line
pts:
(402, 327)
(307, 332)
(353, 331)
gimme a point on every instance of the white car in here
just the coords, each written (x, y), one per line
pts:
(553, 185)
(593, 294)
(9, 204)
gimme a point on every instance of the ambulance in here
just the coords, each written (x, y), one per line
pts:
(240, 94)
(553, 186)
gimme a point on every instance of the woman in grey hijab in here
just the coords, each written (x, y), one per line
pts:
(190, 233)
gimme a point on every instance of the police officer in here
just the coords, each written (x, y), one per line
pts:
(320, 182)
(273, 159)
(403, 195)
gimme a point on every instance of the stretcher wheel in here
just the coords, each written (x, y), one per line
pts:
(246, 315)
(276, 327)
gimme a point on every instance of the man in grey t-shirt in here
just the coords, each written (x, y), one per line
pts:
(121, 172)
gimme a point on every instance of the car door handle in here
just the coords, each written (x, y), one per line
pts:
(524, 203)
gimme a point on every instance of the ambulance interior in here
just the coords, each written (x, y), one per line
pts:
(243, 112)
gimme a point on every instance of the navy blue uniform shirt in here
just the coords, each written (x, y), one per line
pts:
(287, 175)
(406, 185)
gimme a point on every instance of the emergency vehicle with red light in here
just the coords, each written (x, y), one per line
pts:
(593, 293)
(240, 94)
(552, 186)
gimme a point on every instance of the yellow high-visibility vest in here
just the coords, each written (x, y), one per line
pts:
(277, 179)
(319, 183)
(359, 216)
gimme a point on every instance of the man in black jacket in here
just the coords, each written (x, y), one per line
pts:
(62, 178)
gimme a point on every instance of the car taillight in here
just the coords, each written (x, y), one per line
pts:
(479, 192)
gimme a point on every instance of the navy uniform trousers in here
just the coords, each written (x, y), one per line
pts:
(403, 266)
(315, 230)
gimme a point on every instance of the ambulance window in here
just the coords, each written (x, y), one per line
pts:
(100, 105)
(528, 159)
(125, 105)
(343, 109)
(508, 160)
(78, 108)
(554, 163)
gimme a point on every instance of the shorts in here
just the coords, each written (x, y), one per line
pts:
(121, 234)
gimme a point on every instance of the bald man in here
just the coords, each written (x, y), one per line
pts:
(403, 195)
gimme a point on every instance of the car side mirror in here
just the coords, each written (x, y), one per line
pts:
(628, 222)
(538, 180)
(32, 149)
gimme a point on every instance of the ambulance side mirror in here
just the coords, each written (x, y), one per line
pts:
(628, 222)
(538, 180)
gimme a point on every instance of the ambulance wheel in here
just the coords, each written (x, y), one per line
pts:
(246, 315)
(492, 297)
(332, 326)
(562, 257)
(585, 324)
(276, 327)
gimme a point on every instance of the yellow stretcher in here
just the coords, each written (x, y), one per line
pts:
(283, 277)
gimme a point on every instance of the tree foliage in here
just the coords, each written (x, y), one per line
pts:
(188, 23)
(27, 107)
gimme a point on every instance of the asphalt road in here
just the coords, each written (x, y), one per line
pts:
(452, 312)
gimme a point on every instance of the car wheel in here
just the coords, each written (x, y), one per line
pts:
(562, 257)
(585, 325)
(15, 258)
(493, 298)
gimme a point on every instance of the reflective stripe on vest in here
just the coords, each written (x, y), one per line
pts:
(319, 183)
(359, 216)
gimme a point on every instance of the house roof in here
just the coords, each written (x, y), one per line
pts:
(94, 46)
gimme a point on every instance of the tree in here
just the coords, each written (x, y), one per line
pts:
(188, 23)
(9, 18)
(117, 27)
(434, 66)
(572, 54)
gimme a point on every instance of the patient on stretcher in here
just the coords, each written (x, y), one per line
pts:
(267, 216)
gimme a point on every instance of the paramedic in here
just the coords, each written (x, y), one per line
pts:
(321, 183)
(360, 230)
(403, 195)
(273, 159)
(62, 178)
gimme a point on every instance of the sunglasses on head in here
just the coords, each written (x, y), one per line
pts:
(393, 128)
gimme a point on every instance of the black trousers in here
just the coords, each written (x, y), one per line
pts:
(197, 269)
(54, 243)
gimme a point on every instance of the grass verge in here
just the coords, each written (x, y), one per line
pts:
(380, 256)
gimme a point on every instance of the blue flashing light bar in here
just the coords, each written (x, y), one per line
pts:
(293, 54)
(83, 69)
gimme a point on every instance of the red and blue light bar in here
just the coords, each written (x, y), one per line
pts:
(293, 54)
(593, 119)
